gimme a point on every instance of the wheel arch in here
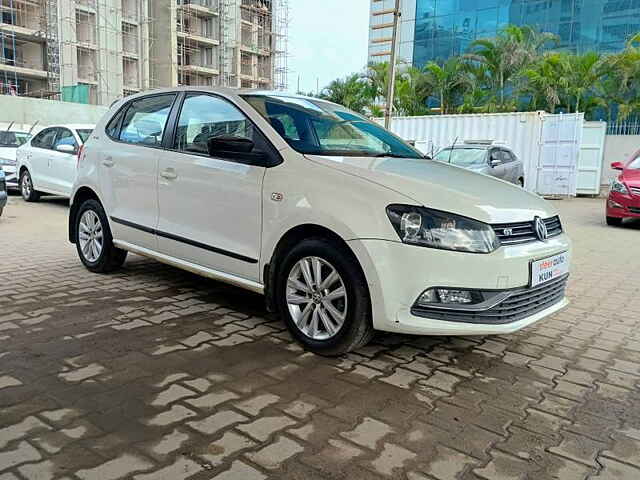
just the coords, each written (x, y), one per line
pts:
(80, 196)
(290, 238)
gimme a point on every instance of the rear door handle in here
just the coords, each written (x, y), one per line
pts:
(108, 162)
(169, 174)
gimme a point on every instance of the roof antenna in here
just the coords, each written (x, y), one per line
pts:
(10, 125)
(451, 149)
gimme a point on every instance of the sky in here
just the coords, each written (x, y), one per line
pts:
(327, 40)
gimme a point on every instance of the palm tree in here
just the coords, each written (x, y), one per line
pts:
(448, 82)
(350, 92)
(583, 72)
(412, 92)
(546, 81)
(506, 54)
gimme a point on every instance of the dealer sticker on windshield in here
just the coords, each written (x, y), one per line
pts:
(550, 268)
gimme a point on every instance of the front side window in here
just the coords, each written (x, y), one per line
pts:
(204, 117)
(145, 120)
(322, 128)
(65, 137)
(463, 157)
(45, 138)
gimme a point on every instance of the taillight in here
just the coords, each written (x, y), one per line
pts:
(80, 153)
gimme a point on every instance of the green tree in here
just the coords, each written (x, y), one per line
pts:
(351, 92)
(583, 73)
(448, 82)
(545, 82)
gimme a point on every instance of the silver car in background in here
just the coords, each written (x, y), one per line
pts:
(488, 157)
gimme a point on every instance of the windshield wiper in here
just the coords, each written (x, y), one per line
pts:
(391, 155)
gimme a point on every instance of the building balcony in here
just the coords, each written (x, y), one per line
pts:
(200, 8)
(197, 37)
(24, 69)
(22, 33)
(200, 69)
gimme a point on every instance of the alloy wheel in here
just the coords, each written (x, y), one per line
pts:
(316, 298)
(90, 235)
(26, 186)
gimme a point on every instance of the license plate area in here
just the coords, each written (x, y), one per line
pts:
(548, 269)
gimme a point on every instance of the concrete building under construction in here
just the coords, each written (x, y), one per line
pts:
(95, 51)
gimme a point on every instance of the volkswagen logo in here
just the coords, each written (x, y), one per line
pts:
(540, 228)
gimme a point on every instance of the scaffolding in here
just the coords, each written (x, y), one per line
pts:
(99, 50)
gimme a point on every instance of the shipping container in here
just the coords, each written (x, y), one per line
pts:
(549, 145)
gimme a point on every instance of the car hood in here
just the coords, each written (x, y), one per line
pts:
(8, 152)
(631, 177)
(446, 187)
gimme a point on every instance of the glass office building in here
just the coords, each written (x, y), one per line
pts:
(439, 29)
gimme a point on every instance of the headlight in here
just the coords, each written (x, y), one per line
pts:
(435, 229)
(7, 161)
(617, 186)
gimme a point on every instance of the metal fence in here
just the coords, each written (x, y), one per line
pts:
(627, 127)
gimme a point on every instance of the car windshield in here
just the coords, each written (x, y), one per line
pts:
(635, 163)
(84, 133)
(463, 157)
(322, 128)
(13, 139)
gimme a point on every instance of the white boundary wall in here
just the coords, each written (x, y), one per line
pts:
(25, 112)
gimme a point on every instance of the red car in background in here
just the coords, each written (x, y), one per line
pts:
(624, 196)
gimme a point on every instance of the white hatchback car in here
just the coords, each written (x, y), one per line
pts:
(345, 228)
(47, 162)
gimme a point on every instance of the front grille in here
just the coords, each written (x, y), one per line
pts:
(635, 190)
(524, 232)
(521, 303)
(634, 209)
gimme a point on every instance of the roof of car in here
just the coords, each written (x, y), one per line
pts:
(225, 91)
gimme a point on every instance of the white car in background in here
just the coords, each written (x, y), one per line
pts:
(47, 162)
(9, 142)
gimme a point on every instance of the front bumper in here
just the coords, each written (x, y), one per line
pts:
(397, 274)
(10, 176)
(623, 206)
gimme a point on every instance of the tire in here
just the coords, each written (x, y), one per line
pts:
(614, 221)
(91, 227)
(29, 194)
(1, 210)
(329, 337)
(521, 182)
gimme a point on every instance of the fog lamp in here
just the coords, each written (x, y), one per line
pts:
(447, 296)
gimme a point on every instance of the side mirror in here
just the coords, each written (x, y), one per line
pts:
(235, 148)
(495, 162)
(617, 166)
(66, 148)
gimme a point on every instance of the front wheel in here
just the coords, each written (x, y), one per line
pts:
(93, 239)
(614, 221)
(29, 194)
(323, 297)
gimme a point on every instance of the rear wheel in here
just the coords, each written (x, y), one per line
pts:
(323, 297)
(26, 187)
(521, 182)
(93, 239)
(614, 221)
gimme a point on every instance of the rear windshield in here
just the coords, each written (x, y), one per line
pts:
(13, 139)
(84, 134)
(323, 128)
(463, 157)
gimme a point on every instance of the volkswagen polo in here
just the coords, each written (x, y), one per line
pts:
(344, 228)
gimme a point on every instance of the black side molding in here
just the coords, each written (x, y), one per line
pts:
(184, 240)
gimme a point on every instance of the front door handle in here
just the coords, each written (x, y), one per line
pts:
(169, 174)
(108, 162)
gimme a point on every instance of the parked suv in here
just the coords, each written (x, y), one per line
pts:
(342, 226)
(485, 157)
(47, 162)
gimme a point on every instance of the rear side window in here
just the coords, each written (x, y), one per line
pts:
(113, 127)
(84, 133)
(145, 120)
(45, 138)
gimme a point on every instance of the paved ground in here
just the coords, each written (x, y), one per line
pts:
(152, 373)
